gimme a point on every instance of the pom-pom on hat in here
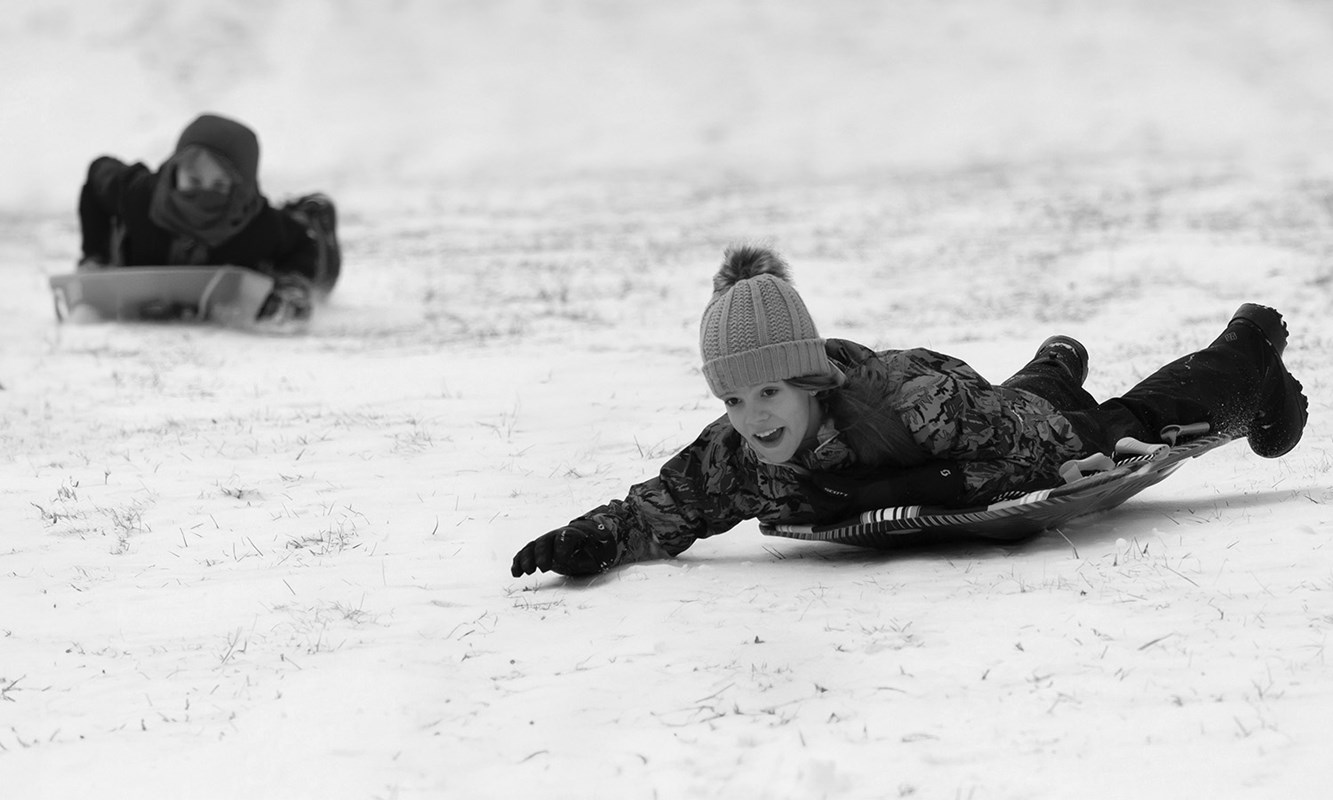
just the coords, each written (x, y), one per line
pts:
(756, 328)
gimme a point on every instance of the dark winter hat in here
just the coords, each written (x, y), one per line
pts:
(227, 138)
(756, 328)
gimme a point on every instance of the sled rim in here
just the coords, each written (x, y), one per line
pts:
(1005, 520)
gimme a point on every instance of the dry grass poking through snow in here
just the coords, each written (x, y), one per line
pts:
(241, 566)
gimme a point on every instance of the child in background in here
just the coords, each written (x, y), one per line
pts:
(204, 207)
(817, 430)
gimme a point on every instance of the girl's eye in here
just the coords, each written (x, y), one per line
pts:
(769, 391)
(729, 402)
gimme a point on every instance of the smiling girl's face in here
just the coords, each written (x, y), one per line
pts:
(775, 418)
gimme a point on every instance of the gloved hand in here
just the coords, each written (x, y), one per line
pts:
(834, 494)
(288, 302)
(582, 547)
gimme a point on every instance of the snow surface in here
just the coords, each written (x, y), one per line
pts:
(238, 566)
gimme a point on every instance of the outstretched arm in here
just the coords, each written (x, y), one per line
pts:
(703, 490)
(297, 251)
(98, 201)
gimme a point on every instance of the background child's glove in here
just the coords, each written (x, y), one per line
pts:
(582, 547)
(288, 302)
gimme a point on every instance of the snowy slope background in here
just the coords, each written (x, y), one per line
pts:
(278, 567)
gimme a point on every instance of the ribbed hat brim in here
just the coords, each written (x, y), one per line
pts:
(774, 362)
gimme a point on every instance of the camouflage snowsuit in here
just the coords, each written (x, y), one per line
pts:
(897, 409)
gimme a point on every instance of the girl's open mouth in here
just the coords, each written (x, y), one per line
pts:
(769, 438)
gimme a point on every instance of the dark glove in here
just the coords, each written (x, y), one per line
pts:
(288, 302)
(582, 547)
(834, 494)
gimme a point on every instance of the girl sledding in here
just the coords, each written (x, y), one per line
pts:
(817, 429)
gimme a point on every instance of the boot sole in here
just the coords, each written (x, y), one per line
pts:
(1274, 439)
(1267, 321)
(1290, 409)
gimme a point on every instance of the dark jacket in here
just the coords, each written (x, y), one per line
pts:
(117, 230)
(898, 409)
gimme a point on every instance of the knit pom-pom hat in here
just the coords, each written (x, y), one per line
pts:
(756, 328)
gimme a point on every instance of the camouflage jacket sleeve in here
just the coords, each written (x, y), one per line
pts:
(705, 489)
(1005, 439)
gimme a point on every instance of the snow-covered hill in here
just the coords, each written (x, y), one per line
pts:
(240, 566)
(361, 95)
